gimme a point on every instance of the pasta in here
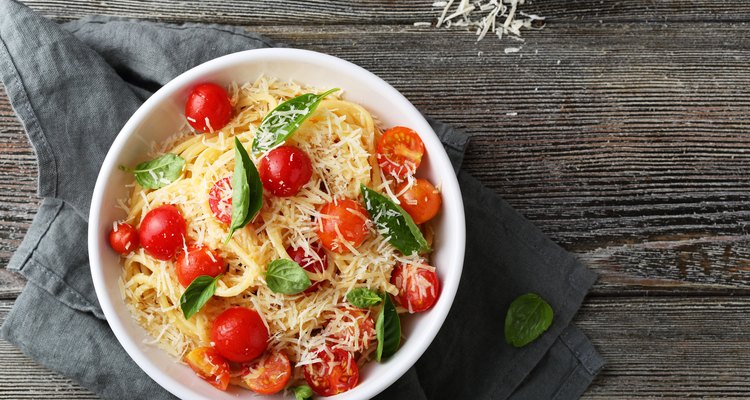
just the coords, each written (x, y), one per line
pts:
(340, 140)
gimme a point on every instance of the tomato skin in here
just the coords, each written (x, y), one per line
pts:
(208, 101)
(268, 374)
(209, 365)
(285, 170)
(351, 220)
(400, 151)
(407, 278)
(337, 373)
(199, 260)
(310, 263)
(422, 201)
(220, 200)
(239, 334)
(163, 232)
(124, 239)
(366, 326)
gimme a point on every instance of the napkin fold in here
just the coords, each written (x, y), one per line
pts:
(74, 85)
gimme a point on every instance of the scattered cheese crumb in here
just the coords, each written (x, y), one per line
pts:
(500, 17)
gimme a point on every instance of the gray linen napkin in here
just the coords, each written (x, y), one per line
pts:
(74, 85)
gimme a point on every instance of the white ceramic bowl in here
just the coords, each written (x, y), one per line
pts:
(162, 114)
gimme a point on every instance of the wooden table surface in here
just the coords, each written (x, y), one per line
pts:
(621, 129)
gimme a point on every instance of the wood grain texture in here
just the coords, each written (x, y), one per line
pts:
(669, 348)
(623, 144)
(655, 347)
(18, 201)
(380, 12)
(620, 130)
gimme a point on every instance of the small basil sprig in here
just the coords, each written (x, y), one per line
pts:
(284, 120)
(363, 297)
(286, 277)
(159, 172)
(387, 330)
(247, 190)
(528, 317)
(394, 223)
(302, 392)
(197, 294)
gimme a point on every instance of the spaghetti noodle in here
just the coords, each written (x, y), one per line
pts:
(340, 139)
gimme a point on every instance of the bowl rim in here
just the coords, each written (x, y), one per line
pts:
(430, 327)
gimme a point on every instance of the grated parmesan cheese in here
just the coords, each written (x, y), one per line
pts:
(339, 138)
(500, 17)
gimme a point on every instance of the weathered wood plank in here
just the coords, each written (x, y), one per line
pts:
(670, 348)
(327, 12)
(655, 347)
(18, 201)
(633, 159)
(631, 153)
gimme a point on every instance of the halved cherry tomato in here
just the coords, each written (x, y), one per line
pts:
(365, 325)
(199, 260)
(422, 201)
(400, 152)
(123, 238)
(418, 287)
(239, 334)
(208, 108)
(316, 263)
(335, 373)
(220, 200)
(285, 170)
(162, 232)
(209, 365)
(342, 220)
(268, 374)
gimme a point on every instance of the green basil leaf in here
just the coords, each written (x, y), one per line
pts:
(527, 318)
(394, 223)
(302, 392)
(159, 172)
(387, 330)
(197, 294)
(247, 190)
(363, 297)
(286, 277)
(284, 120)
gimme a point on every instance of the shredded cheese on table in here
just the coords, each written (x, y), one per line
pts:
(500, 17)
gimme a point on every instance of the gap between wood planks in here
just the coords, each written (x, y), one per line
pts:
(385, 12)
(655, 347)
(631, 159)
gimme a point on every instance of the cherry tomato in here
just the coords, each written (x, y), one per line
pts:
(418, 287)
(239, 334)
(208, 108)
(268, 374)
(365, 325)
(336, 373)
(163, 232)
(309, 262)
(209, 365)
(347, 218)
(285, 170)
(198, 261)
(400, 152)
(220, 200)
(422, 201)
(123, 238)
